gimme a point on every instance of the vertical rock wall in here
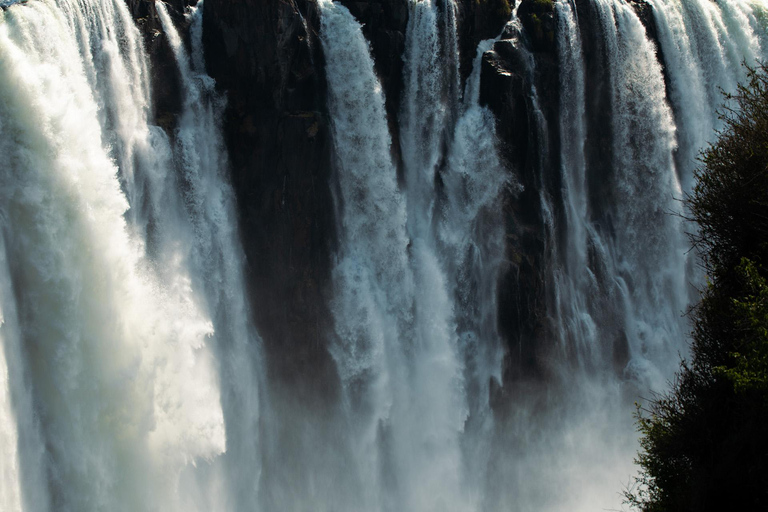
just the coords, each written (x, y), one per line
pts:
(266, 57)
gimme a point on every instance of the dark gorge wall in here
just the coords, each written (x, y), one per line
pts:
(519, 83)
(266, 57)
(165, 79)
(347, 255)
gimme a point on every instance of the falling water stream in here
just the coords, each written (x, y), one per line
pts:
(114, 356)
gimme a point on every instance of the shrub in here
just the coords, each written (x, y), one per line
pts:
(704, 445)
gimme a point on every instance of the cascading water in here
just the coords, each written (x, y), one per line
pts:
(430, 98)
(704, 46)
(131, 375)
(411, 344)
(114, 335)
(115, 355)
(10, 477)
(394, 340)
(372, 305)
(621, 274)
(218, 261)
(641, 236)
(611, 258)
(470, 238)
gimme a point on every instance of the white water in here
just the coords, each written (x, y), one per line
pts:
(471, 239)
(704, 46)
(412, 340)
(118, 280)
(647, 250)
(617, 277)
(10, 470)
(373, 301)
(218, 261)
(621, 273)
(395, 342)
(131, 376)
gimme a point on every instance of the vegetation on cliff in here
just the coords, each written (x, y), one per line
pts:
(704, 445)
(501, 8)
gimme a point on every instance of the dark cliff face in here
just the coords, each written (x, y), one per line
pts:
(267, 58)
(479, 20)
(523, 92)
(520, 84)
(165, 80)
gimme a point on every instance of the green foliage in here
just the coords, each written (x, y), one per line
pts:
(500, 8)
(729, 202)
(704, 444)
(749, 372)
(536, 22)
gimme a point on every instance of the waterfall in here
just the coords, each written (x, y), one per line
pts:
(132, 376)
(373, 301)
(470, 235)
(10, 477)
(217, 259)
(120, 336)
(621, 271)
(116, 357)
(704, 45)
(430, 97)
(642, 237)
(412, 341)
(430, 425)
(615, 250)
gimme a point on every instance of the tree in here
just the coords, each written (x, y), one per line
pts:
(704, 444)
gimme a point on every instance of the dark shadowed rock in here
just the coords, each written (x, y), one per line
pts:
(520, 84)
(479, 20)
(538, 18)
(266, 56)
(598, 146)
(166, 87)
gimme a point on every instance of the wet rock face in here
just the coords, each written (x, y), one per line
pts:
(165, 77)
(538, 18)
(266, 56)
(503, 89)
(479, 20)
(520, 84)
